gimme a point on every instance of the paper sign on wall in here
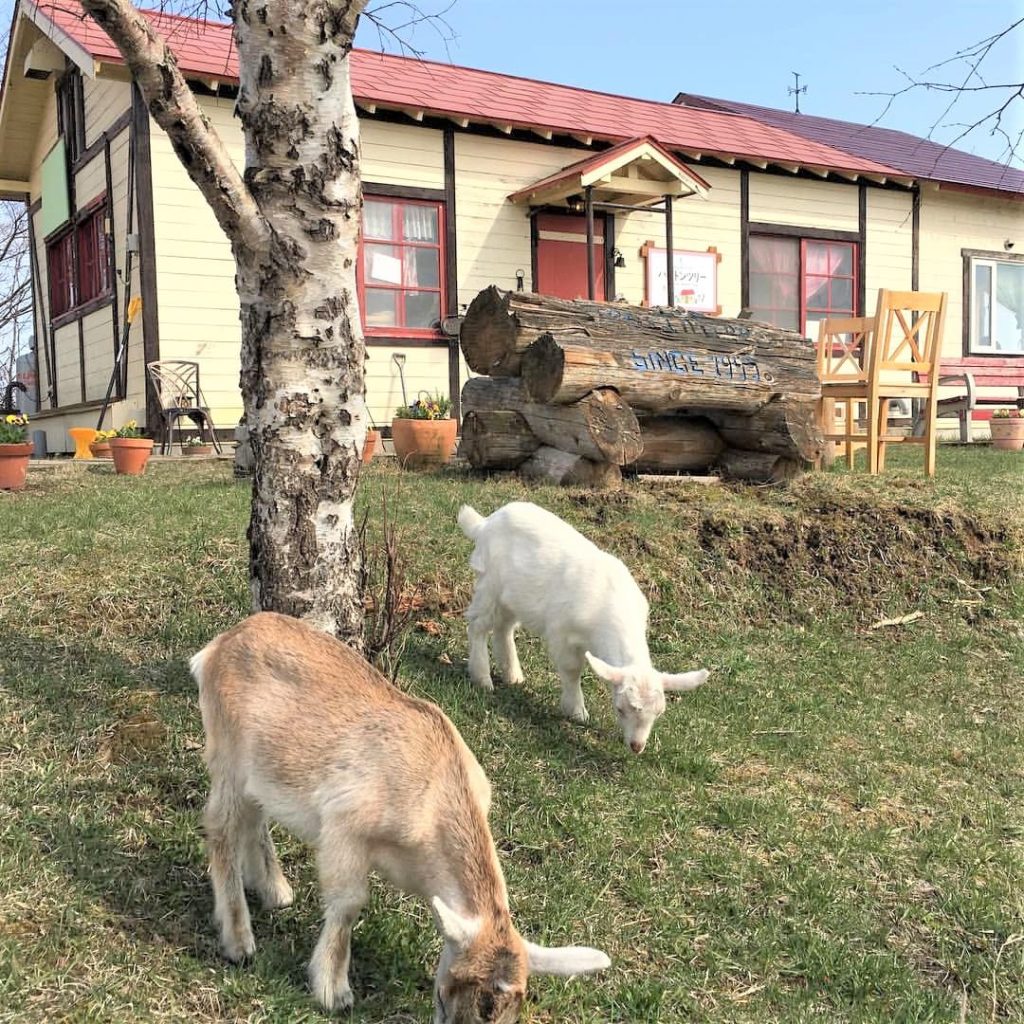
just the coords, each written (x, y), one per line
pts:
(695, 278)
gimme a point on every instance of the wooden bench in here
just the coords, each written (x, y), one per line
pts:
(972, 373)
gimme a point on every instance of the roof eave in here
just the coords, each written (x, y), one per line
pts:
(76, 53)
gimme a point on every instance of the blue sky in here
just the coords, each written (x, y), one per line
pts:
(744, 50)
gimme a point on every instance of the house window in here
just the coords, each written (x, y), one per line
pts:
(795, 282)
(71, 113)
(402, 267)
(78, 263)
(997, 306)
(60, 262)
(93, 261)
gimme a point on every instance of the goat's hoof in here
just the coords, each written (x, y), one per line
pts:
(483, 683)
(278, 896)
(332, 997)
(238, 948)
(580, 714)
(515, 678)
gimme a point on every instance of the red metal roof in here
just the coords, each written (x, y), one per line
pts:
(206, 49)
(919, 157)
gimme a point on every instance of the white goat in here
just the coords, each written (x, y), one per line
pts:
(299, 728)
(536, 571)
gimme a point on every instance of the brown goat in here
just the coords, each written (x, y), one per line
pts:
(302, 730)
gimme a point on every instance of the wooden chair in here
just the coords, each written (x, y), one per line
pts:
(904, 363)
(844, 357)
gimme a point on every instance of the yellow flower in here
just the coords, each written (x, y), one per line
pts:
(12, 419)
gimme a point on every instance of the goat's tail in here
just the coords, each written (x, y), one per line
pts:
(470, 521)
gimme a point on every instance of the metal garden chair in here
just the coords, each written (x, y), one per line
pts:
(176, 382)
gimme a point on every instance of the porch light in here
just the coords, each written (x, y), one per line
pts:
(620, 260)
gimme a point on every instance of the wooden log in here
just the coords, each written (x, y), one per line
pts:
(673, 444)
(759, 467)
(551, 466)
(786, 426)
(747, 357)
(561, 370)
(485, 394)
(600, 426)
(497, 439)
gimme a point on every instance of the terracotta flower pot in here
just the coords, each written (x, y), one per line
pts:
(1008, 433)
(131, 454)
(14, 465)
(423, 442)
(371, 445)
(101, 450)
(197, 449)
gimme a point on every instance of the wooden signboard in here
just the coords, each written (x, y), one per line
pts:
(695, 273)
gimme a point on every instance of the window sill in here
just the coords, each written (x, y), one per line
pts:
(67, 410)
(421, 339)
(83, 310)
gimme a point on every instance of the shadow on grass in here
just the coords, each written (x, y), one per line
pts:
(119, 811)
(561, 742)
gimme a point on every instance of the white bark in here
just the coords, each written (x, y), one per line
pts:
(293, 224)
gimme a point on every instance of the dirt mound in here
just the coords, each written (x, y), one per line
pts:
(809, 550)
(858, 549)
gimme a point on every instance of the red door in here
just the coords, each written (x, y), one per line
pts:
(562, 255)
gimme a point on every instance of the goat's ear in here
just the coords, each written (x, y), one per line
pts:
(565, 961)
(605, 671)
(683, 681)
(456, 929)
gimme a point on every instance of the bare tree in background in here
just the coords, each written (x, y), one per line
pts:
(293, 221)
(964, 75)
(15, 290)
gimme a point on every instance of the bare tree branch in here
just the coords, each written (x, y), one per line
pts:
(414, 18)
(972, 83)
(174, 107)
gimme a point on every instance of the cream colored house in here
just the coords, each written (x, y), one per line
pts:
(470, 179)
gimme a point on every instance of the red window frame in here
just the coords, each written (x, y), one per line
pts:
(93, 259)
(808, 306)
(78, 261)
(832, 251)
(60, 267)
(398, 242)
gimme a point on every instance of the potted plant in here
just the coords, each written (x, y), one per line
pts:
(423, 433)
(100, 447)
(130, 449)
(371, 445)
(15, 451)
(1008, 429)
(195, 445)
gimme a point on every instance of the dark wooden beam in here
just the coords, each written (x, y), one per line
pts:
(147, 251)
(371, 189)
(670, 270)
(790, 231)
(451, 269)
(112, 255)
(915, 239)
(862, 248)
(103, 139)
(588, 201)
(40, 313)
(744, 238)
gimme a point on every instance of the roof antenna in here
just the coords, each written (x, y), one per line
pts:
(797, 89)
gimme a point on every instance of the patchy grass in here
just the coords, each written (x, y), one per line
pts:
(830, 829)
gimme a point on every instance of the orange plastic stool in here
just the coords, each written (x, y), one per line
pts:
(83, 437)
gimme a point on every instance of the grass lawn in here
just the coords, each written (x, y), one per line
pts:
(830, 830)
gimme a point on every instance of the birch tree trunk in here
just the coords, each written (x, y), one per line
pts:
(293, 223)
